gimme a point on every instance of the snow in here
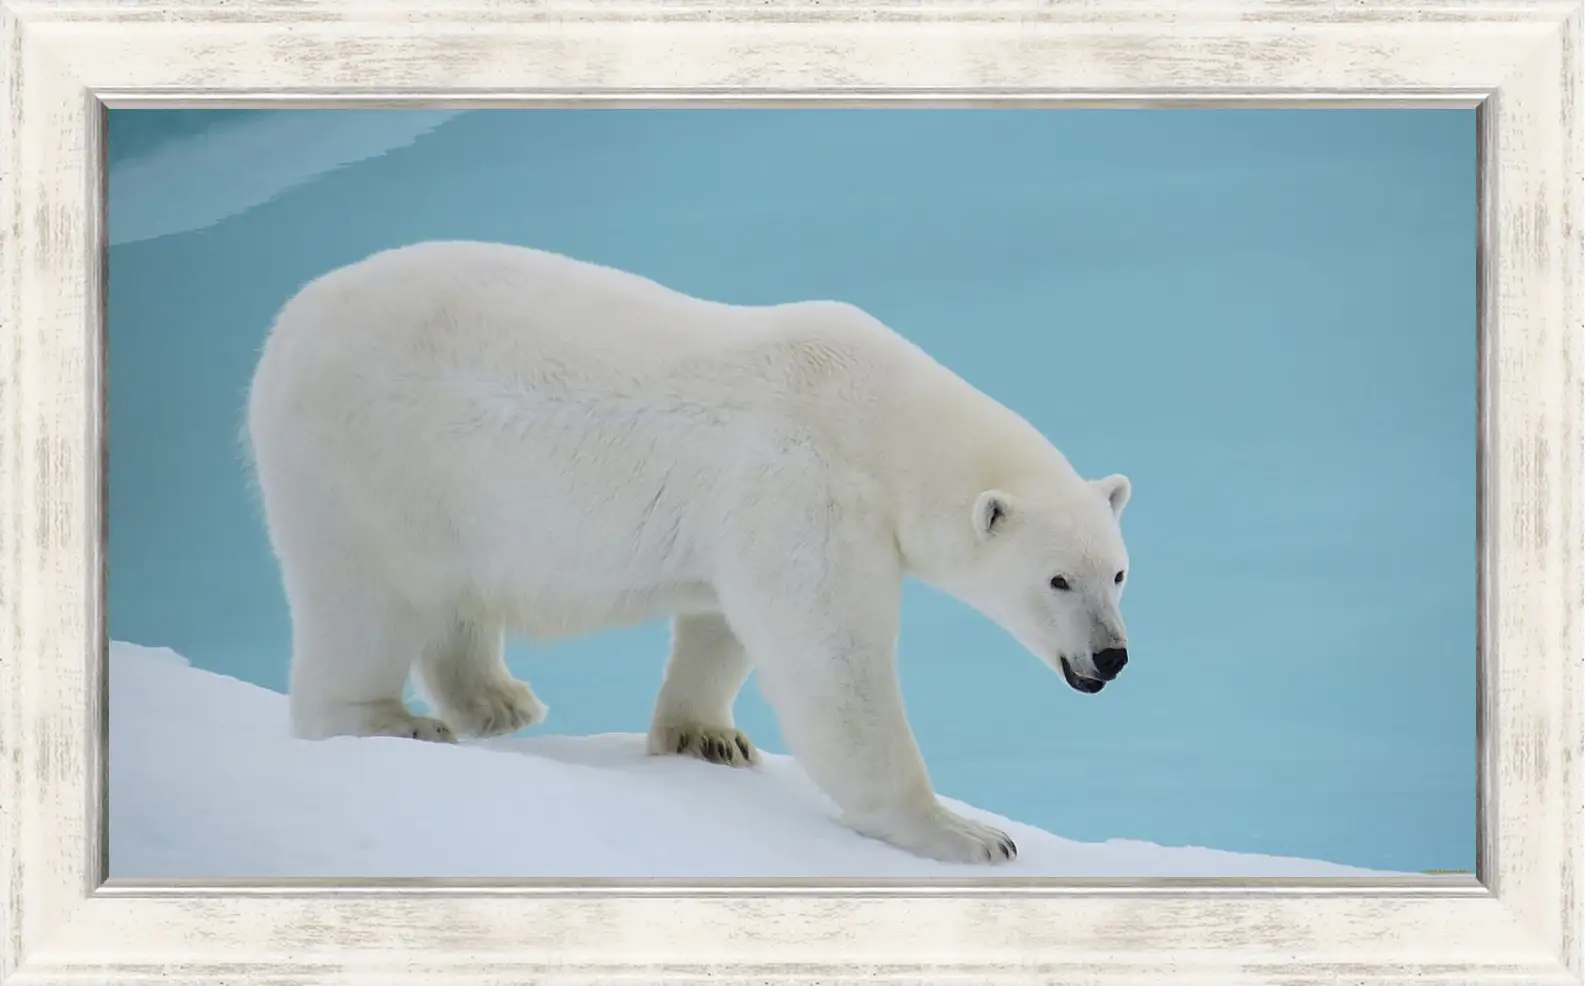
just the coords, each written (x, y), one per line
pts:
(206, 782)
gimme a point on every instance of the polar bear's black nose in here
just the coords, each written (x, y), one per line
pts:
(1110, 661)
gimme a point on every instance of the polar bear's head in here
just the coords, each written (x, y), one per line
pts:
(1049, 566)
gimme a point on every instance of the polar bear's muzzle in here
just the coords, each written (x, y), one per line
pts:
(1108, 665)
(1079, 682)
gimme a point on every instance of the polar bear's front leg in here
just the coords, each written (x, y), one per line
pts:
(693, 715)
(820, 627)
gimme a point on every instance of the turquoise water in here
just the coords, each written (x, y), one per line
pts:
(1266, 318)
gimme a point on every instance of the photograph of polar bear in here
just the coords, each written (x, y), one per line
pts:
(800, 460)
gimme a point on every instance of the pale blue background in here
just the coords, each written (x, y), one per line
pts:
(1267, 319)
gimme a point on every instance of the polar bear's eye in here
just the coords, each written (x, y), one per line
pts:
(1118, 578)
(1058, 582)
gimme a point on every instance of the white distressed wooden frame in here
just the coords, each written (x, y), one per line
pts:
(63, 61)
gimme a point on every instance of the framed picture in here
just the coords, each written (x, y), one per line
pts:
(790, 492)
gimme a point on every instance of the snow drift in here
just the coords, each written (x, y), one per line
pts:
(206, 782)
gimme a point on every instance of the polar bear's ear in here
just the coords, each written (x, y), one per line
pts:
(990, 512)
(1117, 489)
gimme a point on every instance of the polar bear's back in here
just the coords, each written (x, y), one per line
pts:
(503, 306)
(496, 311)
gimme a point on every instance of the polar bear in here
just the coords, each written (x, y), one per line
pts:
(456, 440)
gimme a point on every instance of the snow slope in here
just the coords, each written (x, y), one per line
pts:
(206, 782)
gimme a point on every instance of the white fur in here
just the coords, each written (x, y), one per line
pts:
(457, 440)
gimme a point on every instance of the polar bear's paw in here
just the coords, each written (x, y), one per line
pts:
(946, 836)
(401, 723)
(497, 708)
(723, 745)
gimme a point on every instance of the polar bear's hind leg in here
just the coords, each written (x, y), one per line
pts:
(352, 650)
(464, 674)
